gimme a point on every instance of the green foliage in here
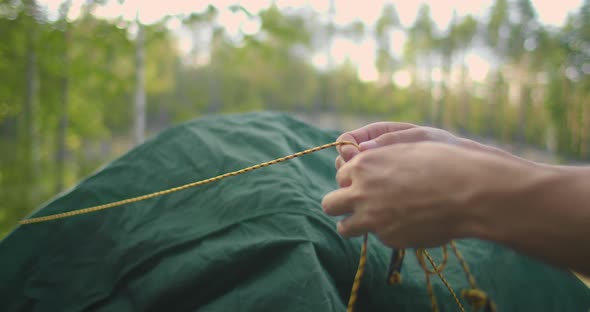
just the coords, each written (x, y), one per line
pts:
(465, 31)
(82, 72)
(422, 32)
(497, 22)
(388, 20)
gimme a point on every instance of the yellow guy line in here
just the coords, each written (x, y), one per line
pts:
(179, 188)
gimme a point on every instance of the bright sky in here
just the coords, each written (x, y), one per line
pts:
(361, 53)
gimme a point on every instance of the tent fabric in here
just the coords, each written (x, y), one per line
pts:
(255, 242)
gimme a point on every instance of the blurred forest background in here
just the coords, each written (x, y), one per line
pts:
(78, 90)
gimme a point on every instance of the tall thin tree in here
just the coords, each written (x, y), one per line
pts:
(60, 156)
(139, 118)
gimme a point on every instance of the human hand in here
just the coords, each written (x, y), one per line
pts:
(386, 133)
(418, 195)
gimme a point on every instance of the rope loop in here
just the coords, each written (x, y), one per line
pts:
(420, 253)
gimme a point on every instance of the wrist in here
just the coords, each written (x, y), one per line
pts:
(506, 195)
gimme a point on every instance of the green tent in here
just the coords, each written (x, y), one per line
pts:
(254, 242)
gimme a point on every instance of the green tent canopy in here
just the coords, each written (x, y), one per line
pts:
(254, 242)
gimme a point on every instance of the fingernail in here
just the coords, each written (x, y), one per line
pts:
(368, 145)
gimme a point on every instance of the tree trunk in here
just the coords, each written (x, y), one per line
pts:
(8, 128)
(213, 82)
(29, 127)
(523, 109)
(524, 101)
(572, 120)
(446, 112)
(63, 119)
(567, 140)
(417, 94)
(429, 102)
(139, 87)
(490, 113)
(578, 125)
(585, 148)
(465, 97)
(30, 92)
(330, 104)
(215, 77)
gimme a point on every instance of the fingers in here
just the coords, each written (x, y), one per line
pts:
(368, 133)
(341, 202)
(338, 202)
(375, 130)
(343, 177)
(347, 151)
(352, 226)
(410, 135)
(339, 162)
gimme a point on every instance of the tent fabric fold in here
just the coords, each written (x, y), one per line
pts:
(255, 242)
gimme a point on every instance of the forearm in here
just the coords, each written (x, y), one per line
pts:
(545, 215)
